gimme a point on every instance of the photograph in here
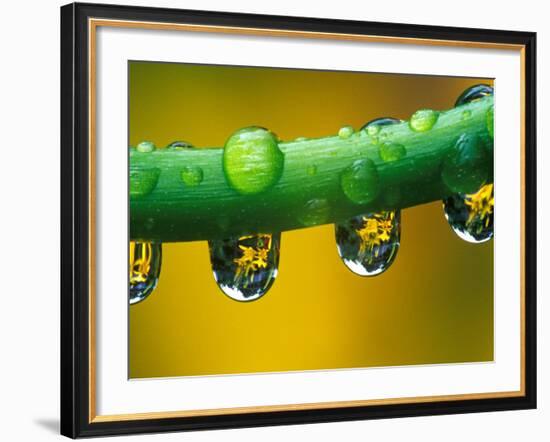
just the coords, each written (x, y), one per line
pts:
(292, 219)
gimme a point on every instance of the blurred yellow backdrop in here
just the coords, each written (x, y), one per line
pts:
(433, 305)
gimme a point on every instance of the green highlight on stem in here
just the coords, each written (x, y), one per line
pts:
(257, 183)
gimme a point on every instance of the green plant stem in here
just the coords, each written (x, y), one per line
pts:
(176, 211)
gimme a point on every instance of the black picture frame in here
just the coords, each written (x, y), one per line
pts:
(75, 221)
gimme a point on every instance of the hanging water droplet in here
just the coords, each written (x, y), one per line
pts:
(345, 132)
(423, 120)
(315, 212)
(180, 145)
(469, 212)
(252, 160)
(143, 181)
(368, 244)
(474, 93)
(245, 267)
(360, 181)
(471, 215)
(146, 147)
(191, 176)
(145, 261)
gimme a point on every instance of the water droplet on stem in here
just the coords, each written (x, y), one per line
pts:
(368, 244)
(252, 160)
(471, 215)
(145, 262)
(245, 267)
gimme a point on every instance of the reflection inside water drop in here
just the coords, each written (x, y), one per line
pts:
(145, 262)
(471, 215)
(368, 244)
(245, 267)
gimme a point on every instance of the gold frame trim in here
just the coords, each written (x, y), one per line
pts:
(93, 24)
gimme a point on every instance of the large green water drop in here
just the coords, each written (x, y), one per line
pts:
(252, 160)
(360, 181)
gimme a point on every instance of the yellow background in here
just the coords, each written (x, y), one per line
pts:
(434, 304)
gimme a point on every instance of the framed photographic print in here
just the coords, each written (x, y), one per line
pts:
(274, 220)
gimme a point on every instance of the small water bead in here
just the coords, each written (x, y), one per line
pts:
(315, 212)
(180, 145)
(423, 120)
(252, 160)
(191, 176)
(391, 151)
(312, 170)
(471, 215)
(345, 132)
(301, 139)
(474, 93)
(371, 129)
(146, 147)
(143, 181)
(145, 262)
(368, 244)
(466, 114)
(465, 169)
(245, 267)
(360, 181)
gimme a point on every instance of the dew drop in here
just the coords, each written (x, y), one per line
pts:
(466, 114)
(301, 139)
(465, 167)
(146, 147)
(368, 244)
(315, 212)
(345, 132)
(180, 145)
(143, 181)
(371, 129)
(312, 170)
(474, 93)
(360, 181)
(391, 151)
(252, 160)
(423, 120)
(469, 212)
(245, 267)
(471, 215)
(373, 126)
(145, 261)
(191, 176)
